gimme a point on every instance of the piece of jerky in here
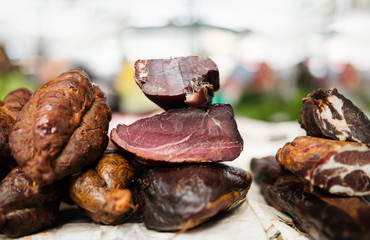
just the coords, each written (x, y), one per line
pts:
(322, 215)
(103, 191)
(338, 167)
(26, 207)
(183, 135)
(327, 113)
(62, 128)
(180, 198)
(178, 82)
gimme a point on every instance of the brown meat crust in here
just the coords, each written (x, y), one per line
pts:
(9, 109)
(50, 120)
(103, 192)
(25, 206)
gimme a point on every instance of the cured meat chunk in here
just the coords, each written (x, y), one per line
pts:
(327, 113)
(9, 109)
(323, 215)
(183, 135)
(338, 167)
(180, 198)
(66, 116)
(26, 207)
(178, 82)
(103, 192)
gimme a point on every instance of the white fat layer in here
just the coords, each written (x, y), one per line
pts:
(341, 125)
(142, 72)
(343, 170)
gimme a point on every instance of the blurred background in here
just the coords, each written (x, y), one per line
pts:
(270, 53)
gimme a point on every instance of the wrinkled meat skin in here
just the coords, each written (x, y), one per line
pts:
(327, 113)
(183, 135)
(9, 109)
(336, 166)
(180, 198)
(48, 123)
(323, 215)
(88, 141)
(103, 192)
(26, 207)
(178, 82)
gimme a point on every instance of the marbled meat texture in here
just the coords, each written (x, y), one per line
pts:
(61, 128)
(327, 113)
(339, 167)
(322, 215)
(183, 135)
(178, 82)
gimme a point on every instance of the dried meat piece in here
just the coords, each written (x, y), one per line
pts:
(26, 207)
(180, 198)
(103, 191)
(327, 113)
(338, 167)
(323, 215)
(54, 122)
(183, 135)
(9, 109)
(178, 82)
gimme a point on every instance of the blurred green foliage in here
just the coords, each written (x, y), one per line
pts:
(12, 81)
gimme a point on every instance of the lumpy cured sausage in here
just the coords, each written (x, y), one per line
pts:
(180, 198)
(9, 109)
(183, 135)
(26, 207)
(336, 166)
(327, 113)
(178, 82)
(62, 115)
(104, 192)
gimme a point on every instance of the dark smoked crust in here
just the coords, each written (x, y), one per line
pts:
(316, 125)
(26, 207)
(180, 198)
(323, 215)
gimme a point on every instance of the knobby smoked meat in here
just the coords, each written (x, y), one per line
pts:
(338, 167)
(178, 82)
(323, 215)
(103, 192)
(180, 198)
(183, 135)
(9, 109)
(61, 128)
(327, 113)
(26, 207)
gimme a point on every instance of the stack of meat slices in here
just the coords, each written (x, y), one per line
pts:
(184, 186)
(322, 179)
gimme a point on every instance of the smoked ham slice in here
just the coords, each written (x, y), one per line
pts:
(338, 167)
(183, 135)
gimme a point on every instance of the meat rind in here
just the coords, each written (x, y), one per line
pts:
(183, 135)
(26, 207)
(48, 122)
(338, 167)
(180, 198)
(327, 113)
(178, 82)
(323, 215)
(103, 191)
